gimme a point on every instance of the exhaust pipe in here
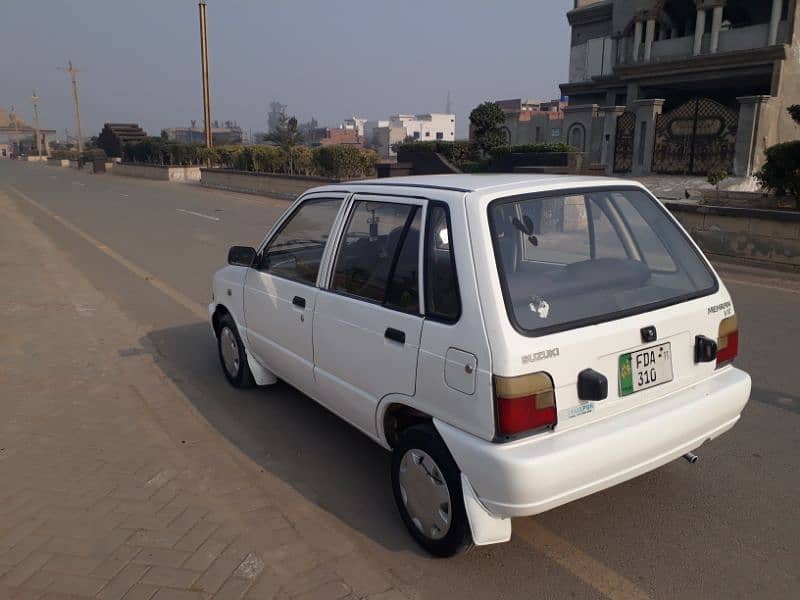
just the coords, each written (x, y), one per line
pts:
(691, 458)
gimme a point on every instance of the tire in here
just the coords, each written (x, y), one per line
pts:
(421, 467)
(232, 355)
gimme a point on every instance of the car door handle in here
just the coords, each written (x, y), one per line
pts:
(395, 335)
(299, 302)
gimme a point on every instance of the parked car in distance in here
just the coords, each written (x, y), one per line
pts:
(517, 342)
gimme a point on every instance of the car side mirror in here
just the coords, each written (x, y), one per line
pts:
(241, 256)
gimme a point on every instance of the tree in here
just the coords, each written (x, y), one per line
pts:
(287, 135)
(716, 177)
(794, 110)
(486, 120)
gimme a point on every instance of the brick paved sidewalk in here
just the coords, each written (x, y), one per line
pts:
(111, 485)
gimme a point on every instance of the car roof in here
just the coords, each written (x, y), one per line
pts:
(494, 182)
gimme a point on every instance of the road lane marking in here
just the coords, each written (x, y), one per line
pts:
(592, 572)
(196, 309)
(197, 214)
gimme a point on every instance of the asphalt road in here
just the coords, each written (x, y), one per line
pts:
(727, 527)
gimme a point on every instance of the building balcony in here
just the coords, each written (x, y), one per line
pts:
(753, 37)
(604, 59)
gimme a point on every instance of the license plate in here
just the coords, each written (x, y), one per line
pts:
(644, 369)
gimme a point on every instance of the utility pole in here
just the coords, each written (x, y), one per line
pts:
(72, 71)
(448, 105)
(204, 61)
(16, 130)
(35, 100)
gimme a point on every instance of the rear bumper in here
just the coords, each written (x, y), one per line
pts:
(540, 473)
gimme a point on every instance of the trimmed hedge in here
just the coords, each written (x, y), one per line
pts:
(781, 171)
(63, 154)
(156, 151)
(456, 152)
(343, 161)
(339, 162)
(546, 148)
(466, 155)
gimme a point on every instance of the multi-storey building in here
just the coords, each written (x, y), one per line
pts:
(383, 134)
(682, 86)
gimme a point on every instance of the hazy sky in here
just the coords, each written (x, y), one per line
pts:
(329, 59)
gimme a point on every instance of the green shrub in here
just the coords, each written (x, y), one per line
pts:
(65, 154)
(717, 176)
(781, 171)
(344, 161)
(485, 120)
(543, 148)
(158, 151)
(341, 162)
(458, 153)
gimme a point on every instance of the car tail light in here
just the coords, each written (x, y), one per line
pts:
(727, 341)
(524, 403)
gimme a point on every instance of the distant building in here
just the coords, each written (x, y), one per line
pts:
(228, 134)
(277, 111)
(18, 137)
(526, 109)
(427, 127)
(114, 136)
(356, 124)
(682, 86)
(532, 121)
(340, 135)
(383, 134)
(329, 136)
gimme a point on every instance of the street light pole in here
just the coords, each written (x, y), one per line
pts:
(35, 100)
(204, 61)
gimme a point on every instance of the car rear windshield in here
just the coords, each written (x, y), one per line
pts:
(576, 258)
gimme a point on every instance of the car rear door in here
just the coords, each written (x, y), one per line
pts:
(280, 291)
(367, 319)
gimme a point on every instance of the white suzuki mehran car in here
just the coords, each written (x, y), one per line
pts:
(517, 342)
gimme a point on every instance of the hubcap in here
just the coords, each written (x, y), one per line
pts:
(230, 351)
(425, 494)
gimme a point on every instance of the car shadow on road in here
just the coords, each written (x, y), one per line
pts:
(289, 435)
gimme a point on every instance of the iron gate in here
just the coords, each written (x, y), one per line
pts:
(623, 144)
(695, 138)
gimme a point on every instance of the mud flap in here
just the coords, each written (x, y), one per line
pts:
(486, 528)
(261, 375)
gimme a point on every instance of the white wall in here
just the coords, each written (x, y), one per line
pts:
(427, 126)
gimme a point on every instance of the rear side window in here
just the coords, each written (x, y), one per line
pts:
(296, 251)
(378, 258)
(442, 299)
(580, 258)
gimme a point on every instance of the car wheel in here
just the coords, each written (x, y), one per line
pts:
(427, 489)
(232, 355)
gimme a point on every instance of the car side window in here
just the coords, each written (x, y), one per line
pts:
(379, 255)
(296, 251)
(442, 299)
(403, 290)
